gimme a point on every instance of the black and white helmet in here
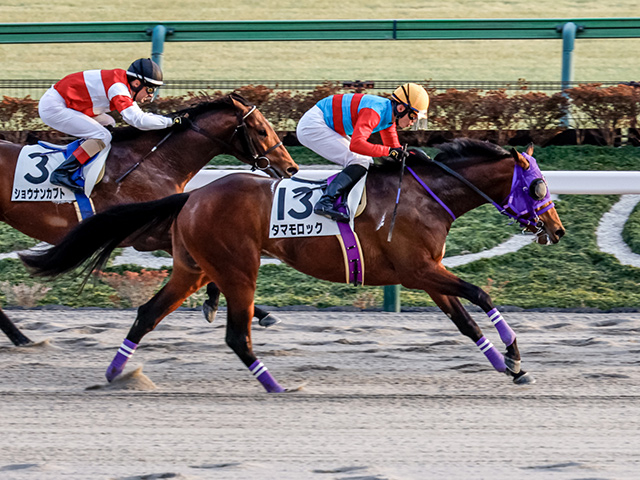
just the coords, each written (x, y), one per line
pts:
(147, 71)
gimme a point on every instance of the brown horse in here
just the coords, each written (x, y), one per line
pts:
(225, 125)
(212, 242)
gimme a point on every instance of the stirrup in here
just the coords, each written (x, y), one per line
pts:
(331, 213)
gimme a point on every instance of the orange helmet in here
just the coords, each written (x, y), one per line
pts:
(414, 96)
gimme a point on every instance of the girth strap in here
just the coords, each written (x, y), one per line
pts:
(354, 261)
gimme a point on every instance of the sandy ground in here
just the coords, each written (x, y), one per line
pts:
(385, 396)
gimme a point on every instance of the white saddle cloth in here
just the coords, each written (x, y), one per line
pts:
(292, 209)
(33, 169)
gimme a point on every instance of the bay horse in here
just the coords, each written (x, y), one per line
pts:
(167, 159)
(213, 242)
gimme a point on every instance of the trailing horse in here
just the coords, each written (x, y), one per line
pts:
(148, 165)
(213, 242)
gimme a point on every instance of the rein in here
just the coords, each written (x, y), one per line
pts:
(395, 209)
(502, 209)
(247, 143)
(137, 164)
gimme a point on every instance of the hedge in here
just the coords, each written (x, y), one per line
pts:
(605, 113)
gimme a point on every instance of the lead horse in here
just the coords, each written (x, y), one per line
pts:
(213, 243)
(159, 163)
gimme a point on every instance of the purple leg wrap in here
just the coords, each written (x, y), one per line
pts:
(494, 356)
(264, 377)
(117, 364)
(506, 334)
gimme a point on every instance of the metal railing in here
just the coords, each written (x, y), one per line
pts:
(319, 30)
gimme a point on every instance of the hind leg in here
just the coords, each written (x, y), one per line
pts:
(236, 276)
(11, 331)
(238, 337)
(180, 286)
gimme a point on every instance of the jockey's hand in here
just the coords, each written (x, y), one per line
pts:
(181, 122)
(396, 153)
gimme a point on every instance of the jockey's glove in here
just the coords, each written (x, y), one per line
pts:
(181, 122)
(396, 153)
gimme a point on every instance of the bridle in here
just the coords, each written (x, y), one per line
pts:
(260, 160)
(529, 217)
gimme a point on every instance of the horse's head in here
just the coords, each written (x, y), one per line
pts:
(260, 143)
(239, 129)
(529, 201)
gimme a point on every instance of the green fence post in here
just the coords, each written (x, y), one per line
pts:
(569, 30)
(391, 298)
(158, 35)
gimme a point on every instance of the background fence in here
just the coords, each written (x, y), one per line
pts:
(35, 88)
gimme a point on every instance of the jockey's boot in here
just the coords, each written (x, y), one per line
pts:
(62, 175)
(340, 186)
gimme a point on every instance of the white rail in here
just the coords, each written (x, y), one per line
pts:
(560, 181)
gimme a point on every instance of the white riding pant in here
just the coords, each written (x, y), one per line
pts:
(314, 133)
(54, 112)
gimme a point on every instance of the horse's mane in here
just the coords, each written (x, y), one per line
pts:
(221, 103)
(459, 148)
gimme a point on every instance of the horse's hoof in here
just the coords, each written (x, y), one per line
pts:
(296, 389)
(112, 373)
(512, 364)
(268, 320)
(209, 312)
(523, 378)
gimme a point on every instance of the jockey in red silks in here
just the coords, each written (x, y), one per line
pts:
(78, 104)
(338, 128)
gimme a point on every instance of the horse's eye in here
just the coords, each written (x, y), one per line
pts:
(262, 133)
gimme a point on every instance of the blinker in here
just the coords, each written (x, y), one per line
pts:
(538, 189)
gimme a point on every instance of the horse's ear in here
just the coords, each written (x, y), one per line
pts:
(236, 103)
(529, 150)
(520, 160)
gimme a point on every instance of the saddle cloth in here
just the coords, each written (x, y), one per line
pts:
(292, 209)
(292, 216)
(35, 164)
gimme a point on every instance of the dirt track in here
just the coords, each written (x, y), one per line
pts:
(386, 396)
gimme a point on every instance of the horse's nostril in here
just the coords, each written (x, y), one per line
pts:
(560, 233)
(292, 170)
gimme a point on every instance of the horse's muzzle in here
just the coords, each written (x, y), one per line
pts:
(546, 238)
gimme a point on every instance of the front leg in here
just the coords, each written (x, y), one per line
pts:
(452, 307)
(440, 283)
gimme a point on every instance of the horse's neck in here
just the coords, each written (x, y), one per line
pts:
(178, 158)
(493, 179)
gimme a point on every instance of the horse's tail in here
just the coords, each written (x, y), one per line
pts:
(91, 242)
